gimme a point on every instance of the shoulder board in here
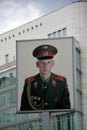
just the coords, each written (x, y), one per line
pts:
(32, 78)
(59, 77)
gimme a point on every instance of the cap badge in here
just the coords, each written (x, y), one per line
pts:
(45, 47)
(45, 53)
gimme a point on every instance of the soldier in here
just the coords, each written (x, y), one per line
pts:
(46, 90)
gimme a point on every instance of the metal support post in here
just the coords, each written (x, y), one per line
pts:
(46, 121)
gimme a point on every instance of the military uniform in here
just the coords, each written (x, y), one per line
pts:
(38, 95)
(42, 95)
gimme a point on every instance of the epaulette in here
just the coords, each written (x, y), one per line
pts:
(32, 78)
(59, 77)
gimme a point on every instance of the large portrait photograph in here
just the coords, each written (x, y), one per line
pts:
(45, 75)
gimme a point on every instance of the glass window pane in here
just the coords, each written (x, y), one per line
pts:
(59, 33)
(64, 32)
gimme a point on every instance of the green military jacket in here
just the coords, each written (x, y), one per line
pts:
(40, 95)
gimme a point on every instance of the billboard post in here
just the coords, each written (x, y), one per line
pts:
(46, 120)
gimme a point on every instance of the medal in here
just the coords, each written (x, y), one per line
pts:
(54, 83)
(35, 85)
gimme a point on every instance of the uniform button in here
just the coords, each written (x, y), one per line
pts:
(35, 102)
(45, 87)
(35, 98)
(46, 103)
(38, 98)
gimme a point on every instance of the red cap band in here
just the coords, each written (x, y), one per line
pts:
(45, 53)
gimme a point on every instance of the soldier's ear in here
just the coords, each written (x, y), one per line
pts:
(37, 64)
(53, 62)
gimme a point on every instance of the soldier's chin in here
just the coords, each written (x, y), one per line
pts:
(46, 73)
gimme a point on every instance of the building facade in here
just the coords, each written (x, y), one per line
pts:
(65, 22)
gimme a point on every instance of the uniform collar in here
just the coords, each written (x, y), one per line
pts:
(47, 80)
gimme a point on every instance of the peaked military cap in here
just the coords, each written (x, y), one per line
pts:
(44, 52)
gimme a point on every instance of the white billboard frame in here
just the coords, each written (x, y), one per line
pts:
(65, 67)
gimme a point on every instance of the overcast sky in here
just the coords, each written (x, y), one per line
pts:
(14, 13)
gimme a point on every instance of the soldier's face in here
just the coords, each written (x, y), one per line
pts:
(45, 66)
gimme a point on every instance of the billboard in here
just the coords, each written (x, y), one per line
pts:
(45, 75)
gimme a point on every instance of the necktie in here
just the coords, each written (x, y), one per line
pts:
(45, 84)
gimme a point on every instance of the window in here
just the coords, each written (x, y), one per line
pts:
(49, 35)
(7, 58)
(13, 58)
(13, 35)
(5, 38)
(23, 31)
(64, 31)
(40, 24)
(9, 37)
(59, 33)
(27, 29)
(1, 40)
(19, 33)
(36, 26)
(32, 28)
(54, 34)
(4, 100)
